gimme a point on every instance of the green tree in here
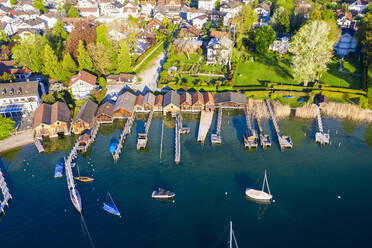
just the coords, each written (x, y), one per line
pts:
(73, 12)
(6, 126)
(49, 98)
(51, 66)
(281, 20)
(263, 38)
(58, 37)
(103, 36)
(243, 23)
(39, 4)
(85, 62)
(29, 53)
(3, 37)
(100, 55)
(13, 2)
(68, 69)
(124, 59)
(312, 50)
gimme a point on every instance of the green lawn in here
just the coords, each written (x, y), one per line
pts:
(264, 69)
(351, 77)
(154, 54)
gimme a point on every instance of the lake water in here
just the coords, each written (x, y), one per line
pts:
(209, 184)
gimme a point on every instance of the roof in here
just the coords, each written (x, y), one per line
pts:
(84, 76)
(49, 114)
(87, 111)
(197, 97)
(107, 108)
(139, 100)
(346, 14)
(159, 100)
(217, 34)
(171, 98)
(19, 89)
(120, 78)
(225, 97)
(208, 98)
(9, 67)
(149, 98)
(34, 22)
(185, 98)
(42, 114)
(264, 6)
(60, 112)
(125, 101)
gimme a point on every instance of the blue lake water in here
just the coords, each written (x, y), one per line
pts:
(209, 184)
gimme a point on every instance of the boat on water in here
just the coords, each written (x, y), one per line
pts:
(82, 179)
(162, 194)
(58, 171)
(76, 199)
(111, 206)
(260, 195)
(113, 147)
(73, 164)
(232, 237)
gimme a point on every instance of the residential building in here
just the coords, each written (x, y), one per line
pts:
(207, 4)
(89, 12)
(346, 44)
(171, 102)
(186, 102)
(148, 102)
(124, 106)
(8, 66)
(158, 104)
(280, 45)
(105, 113)
(219, 51)
(138, 104)
(171, 3)
(200, 21)
(82, 84)
(208, 101)
(197, 101)
(116, 82)
(147, 7)
(130, 9)
(262, 9)
(51, 120)
(85, 118)
(344, 20)
(230, 99)
(154, 24)
(49, 19)
(358, 6)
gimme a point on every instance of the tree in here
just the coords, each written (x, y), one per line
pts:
(100, 55)
(7, 76)
(73, 12)
(3, 37)
(243, 23)
(312, 50)
(82, 31)
(69, 68)
(49, 98)
(29, 53)
(103, 36)
(281, 20)
(51, 66)
(327, 15)
(6, 126)
(263, 38)
(124, 59)
(13, 2)
(57, 37)
(39, 4)
(85, 62)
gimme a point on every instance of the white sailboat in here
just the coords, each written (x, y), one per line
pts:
(232, 237)
(260, 195)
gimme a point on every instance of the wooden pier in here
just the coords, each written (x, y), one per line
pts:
(6, 195)
(183, 130)
(216, 138)
(250, 136)
(284, 141)
(142, 137)
(206, 118)
(126, 130)
(93, 135)
(264, 138)
(39, 145)
(177, 151)
(320, 136)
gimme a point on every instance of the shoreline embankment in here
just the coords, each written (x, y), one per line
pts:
(18, 140)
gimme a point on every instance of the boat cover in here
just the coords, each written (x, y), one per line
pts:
(111, 209)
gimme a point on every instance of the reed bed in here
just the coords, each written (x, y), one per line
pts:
(258, 108)
(307, 111)
(281, 111)
(347, 111)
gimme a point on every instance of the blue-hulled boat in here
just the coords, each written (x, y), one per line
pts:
(58, 172)
(113, 147)
(111, 207)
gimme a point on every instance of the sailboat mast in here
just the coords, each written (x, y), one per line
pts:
(263, 183)
(267, 184)
(78, 169)
(231, 232)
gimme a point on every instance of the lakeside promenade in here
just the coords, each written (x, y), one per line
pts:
(17, 140)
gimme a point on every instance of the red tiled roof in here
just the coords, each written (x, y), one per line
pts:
(84, 76)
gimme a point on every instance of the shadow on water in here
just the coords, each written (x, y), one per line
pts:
(205, 238)
(243, 181)
(140, 126)
(240, 126)
(368, 135)
(160, 182)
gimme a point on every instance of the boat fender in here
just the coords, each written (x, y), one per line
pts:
(273, 200)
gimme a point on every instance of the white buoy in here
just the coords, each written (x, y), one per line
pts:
(93, 169)
(273, 200)
(225, 193)
(65, 210)
(173, 201)
(339, 144)
(97, 199)
(339, 197)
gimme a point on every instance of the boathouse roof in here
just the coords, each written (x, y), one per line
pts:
(49, 114)
(171, 98)
(125, 101)
(230, 97)
(87, 111)
(107, 109)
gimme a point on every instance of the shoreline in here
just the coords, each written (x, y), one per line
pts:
(16, 141)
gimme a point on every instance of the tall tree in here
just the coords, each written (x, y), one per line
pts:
(263, 38)
(243, 23)
(124, 60)
(57, 37)
(73, 12)
(312, 50)
(85, 62)
(103, 36)
(6, 126)
(39, 4)
(83, 31)
(13, 2)
(100, 55)
(69, 68)
(29, 53)
(281, 20)
(51, 66)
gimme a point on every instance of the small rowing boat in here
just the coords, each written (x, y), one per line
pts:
(82, 179)
(113, 147)
(162, 194)
(58, 172)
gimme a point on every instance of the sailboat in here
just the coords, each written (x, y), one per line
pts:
(260, 195)
(231, 236)
(82, 179)
(74, 193)
(111, 207)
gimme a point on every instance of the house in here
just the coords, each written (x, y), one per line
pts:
(138, 104)
(115, 83)
(207, 4)
(158, 104)
(86, 3)
(27, 15)
(208, 101)
(358, 6)
(230, 99)
(154, 24)
(144, 41)
(36, 23)
(113, 9)
(8, 66)
(148, 102)
(186, 102)
(219, 51)
(84, 119)
(280, 45)
(189, 13)
(89, 12)
(130, 9)
(171, 102)
(51, 120)
(124, 106)
(200, 21)
(19, 97)
(344, 20)
(82, 84)
(346, 44)
(190, 46)
(231, 8)
(50, 19)
(171, 3)
(25, 33)
(262, 9)
(147, 7)
(105, 113)
(189, 33)
(197, 101)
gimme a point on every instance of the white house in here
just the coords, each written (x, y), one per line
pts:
(130, 9)
(87, 4)
(346, 44)
(219, 51)
(82, 84)
(358, 6)
(231, 9)
(262, 9)
(207, 4)
(86, 12)
(36, 23)
(344, 20)
(50, 19)
(114, 9)
(200, 21)
(280, 45)
(147, 7)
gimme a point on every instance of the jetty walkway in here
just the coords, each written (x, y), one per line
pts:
(206, 118)
(250, 137)
(284, 141)
(142, 137)
(216, 138)
(177, 152)
(320, 136)
(39, 145)
(264, 138)
(92, 138)
(6, 195)
(126, 130)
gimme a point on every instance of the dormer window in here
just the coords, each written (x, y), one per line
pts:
(11, 91)
(19, 91)
(3, 91)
